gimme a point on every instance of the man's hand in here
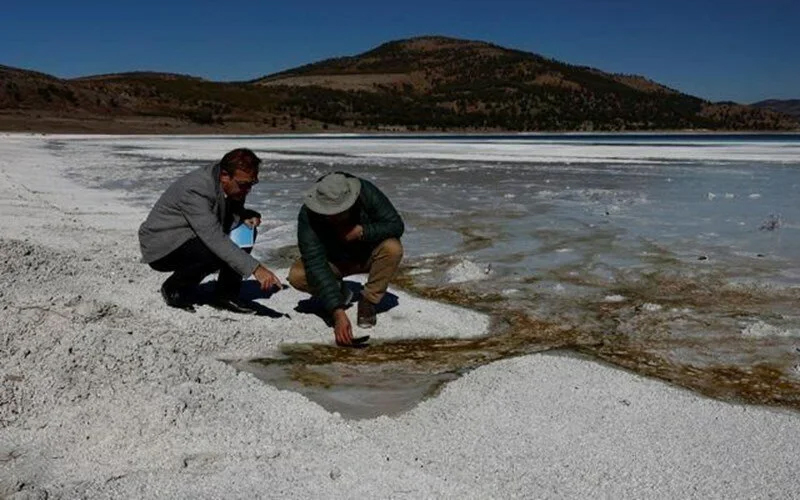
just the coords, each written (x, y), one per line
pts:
(342, 329)
(267, 278)
(355, 233)
(252, 222)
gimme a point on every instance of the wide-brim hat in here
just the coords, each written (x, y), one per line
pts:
(333, 194)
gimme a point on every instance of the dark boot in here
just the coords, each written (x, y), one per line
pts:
(367, 316)
(175, 297)
(226, 296)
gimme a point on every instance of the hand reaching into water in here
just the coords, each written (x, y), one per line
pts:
(342, 329)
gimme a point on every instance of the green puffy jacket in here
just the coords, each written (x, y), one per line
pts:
(319, 244)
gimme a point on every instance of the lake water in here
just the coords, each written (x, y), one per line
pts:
(675, 255)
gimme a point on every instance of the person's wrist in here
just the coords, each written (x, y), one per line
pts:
(261, 271)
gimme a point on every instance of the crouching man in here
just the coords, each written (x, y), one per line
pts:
(187, 233)
(346, 226)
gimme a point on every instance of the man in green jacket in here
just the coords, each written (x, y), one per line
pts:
(346, 226)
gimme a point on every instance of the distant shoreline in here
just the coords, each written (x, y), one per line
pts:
(14, 123)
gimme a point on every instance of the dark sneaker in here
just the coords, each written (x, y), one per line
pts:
(232, 305)
(367, 317)
(176, 299)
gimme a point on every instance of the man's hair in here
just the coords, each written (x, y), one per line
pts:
(239, 159)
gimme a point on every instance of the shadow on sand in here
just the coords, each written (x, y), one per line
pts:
(313, 305)
(248, 293)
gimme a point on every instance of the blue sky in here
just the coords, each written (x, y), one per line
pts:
(719, 50)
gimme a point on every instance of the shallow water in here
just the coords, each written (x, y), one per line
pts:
(354, 391)
(675, 256)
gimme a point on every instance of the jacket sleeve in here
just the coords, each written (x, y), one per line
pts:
(197, 208)
(385, 222)
(319, 274)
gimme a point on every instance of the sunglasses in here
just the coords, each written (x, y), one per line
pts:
(241, 184)
(245, 184)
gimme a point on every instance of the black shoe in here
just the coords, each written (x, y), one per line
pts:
(176, 299)
(232, 305)
(367, 316)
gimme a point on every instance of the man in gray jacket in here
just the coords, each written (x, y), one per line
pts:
(187, 233)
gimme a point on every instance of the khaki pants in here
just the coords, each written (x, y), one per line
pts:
(381, 266)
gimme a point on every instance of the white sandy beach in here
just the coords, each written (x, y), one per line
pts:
(107, 393)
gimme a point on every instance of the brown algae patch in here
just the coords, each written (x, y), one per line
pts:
(308, 377)
(700, 313)
(515, 335)
(763, 383)
(703, 316)
(389, 377)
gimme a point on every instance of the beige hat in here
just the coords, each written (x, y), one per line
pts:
(333, 194)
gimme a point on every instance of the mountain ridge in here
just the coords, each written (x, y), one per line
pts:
(414, 48)
(429, 83)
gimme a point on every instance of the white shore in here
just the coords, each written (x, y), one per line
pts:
(107, 393)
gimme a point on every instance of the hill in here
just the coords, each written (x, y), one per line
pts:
(425, 83)
(789, 107)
